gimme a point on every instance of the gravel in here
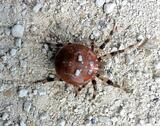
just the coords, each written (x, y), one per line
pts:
(22, 123)
(17, 31)
(41, 92)
(43, 116)
(7, 31)
(82, 2)
(1, 123)
(7, 123)
(23, 93)
(100, 3)
(5, 116)
(109, 7)
(95, 34)
(29, 33)
(13, 52)
(27, 106)
(18, 42)
(37, 7)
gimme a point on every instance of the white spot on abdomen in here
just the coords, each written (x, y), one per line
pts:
(91, 63)
(90, 72)
(80, 58)
(77, 72)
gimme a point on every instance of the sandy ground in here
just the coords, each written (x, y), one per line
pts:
(25, 27)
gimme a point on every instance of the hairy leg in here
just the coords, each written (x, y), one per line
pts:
(112, 54)
(108, 81)
(94, 83)
(78, 89)
(49, 78)
(114, 28)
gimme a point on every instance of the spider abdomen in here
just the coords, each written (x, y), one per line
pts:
(76, 64)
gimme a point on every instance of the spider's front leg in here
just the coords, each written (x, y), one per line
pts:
(49, 78)
(94, 83)
(108, 81)
(114, 28)
(112, 54)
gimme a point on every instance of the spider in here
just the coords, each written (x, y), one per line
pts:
(77, 64)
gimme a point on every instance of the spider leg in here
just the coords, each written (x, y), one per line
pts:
(94, 83)
(78, 89)
(114, 28)
(112, 54)
(108, 81)
(111, 83)
(48, 79)
(92, 46)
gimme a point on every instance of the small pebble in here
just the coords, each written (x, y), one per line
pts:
(82, 2)
(1, 122)
(23, 63)
(7, 123)
(7, 31)
(18, 42)
(17, 31)
(16, 124)
(157, 66)
(1, 67)
(43, 116)
(42, 92)
(93, 120)
(33, 28)
(123, 112)
(99, 3)
(2, 87)
(87, 122)
(140, 38)
(5, 116)
(124, 2)
(96, 34)
(45, 48)
(52, 76)
(4, 58)
(114, 120)
(62, 122)
(105, 119)
(148, 124)
(23, 93)
(131, 116)
(37, 7)
(22, 123)
(24, 12)
(35, 92)
(142, 122)
(27, 106)
(13, 52)
(109, 7)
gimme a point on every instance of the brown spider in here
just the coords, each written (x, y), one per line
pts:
(77, 64)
